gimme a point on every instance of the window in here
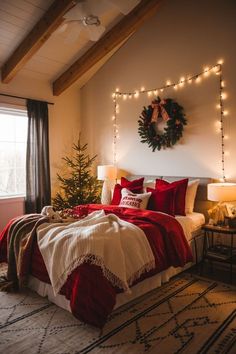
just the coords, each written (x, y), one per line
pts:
(13, 137)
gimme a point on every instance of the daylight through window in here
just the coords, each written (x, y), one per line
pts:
(13, 137)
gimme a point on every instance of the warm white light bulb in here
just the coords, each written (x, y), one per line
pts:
(149, 93)
(130, 96)
(113, 118)
(221, 61)
(136, 94)
(198, 79)
(117, 89)
(156, 92)
(175, 87)
(124, 97)
(206, 71)
(168, 82)
(142, 89)
(225, 113)
(218, 106)
(223, 95)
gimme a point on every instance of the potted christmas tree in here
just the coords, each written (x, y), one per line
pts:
(80, 186)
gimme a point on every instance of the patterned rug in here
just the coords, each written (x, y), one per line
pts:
(187, 315)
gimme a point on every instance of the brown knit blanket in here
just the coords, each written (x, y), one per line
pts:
(20, 238)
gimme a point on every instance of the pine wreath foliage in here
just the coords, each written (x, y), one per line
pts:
(80, 186)
(173, 130)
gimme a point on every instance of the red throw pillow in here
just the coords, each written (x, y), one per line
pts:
(135, 186)
(181, 187)
(125, 183)
(162, 199)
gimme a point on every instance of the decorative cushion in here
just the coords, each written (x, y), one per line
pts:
(162, 199)
(191, 195)
(180, 195)
(132, 200)
(135, 186)
(136, 183)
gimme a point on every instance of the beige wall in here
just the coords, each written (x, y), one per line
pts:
(182, 38)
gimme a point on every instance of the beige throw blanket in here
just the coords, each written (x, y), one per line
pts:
(120, 248)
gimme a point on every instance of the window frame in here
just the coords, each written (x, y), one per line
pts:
(17, 108)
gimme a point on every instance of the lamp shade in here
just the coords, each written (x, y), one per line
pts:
(221, 192)
(106, 172)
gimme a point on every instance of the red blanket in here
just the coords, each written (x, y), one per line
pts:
(166, 239)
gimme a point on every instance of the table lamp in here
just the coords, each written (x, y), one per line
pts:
(106, 173)
(221, 193)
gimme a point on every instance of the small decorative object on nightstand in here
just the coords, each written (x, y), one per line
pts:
(214, 251)
(223, 193)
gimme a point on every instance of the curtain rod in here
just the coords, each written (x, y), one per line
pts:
(22, 98)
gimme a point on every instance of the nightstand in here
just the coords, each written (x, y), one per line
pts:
(219, 252)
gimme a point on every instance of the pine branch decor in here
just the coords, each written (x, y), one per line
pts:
(80, 187)
(170, 112)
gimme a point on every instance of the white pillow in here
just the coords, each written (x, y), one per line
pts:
(132, 200)
(191, 195)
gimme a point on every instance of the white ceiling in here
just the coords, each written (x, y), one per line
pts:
(17, 18)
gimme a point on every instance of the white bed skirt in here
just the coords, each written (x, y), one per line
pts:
(137, 290)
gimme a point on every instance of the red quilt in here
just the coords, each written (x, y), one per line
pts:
(91, 295)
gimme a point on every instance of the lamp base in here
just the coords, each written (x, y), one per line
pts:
(106, 192)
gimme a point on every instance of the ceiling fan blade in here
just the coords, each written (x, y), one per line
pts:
(94, 32)
(62, 28)
(125, 6)
(77, 12)
(73, 32)
(96, 7)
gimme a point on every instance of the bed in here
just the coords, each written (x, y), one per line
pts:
(91, 274)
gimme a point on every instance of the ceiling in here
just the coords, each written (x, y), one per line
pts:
(32, 42)
(17, 18)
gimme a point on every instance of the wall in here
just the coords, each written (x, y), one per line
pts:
(64, 127)
(181, 39)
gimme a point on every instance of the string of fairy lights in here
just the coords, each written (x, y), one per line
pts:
(197, 78)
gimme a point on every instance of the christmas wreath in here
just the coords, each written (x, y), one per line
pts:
(168, 111)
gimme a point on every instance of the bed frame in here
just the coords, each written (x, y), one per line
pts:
(201, 205)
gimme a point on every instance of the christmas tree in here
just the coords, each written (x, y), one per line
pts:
(80, 187)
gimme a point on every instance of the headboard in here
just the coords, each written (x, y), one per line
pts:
(201, 202)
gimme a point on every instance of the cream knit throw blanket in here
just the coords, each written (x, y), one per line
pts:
(120, 248)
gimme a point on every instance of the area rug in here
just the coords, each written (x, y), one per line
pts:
(189, 314)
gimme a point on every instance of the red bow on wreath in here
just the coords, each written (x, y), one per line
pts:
(159, 110)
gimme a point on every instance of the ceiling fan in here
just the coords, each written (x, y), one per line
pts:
(85, 15)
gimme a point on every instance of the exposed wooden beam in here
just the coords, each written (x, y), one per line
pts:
(128, 25)
(36, 38)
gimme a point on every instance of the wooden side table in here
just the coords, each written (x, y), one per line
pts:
(219, 252)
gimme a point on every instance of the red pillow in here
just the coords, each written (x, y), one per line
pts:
(181, 187)
(162, 199)
(125, 183)
(135, 186)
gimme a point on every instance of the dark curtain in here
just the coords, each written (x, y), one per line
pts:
(38, 189)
